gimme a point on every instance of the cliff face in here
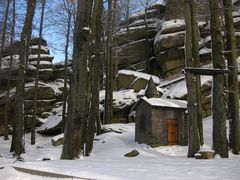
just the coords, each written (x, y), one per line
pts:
(49, 90)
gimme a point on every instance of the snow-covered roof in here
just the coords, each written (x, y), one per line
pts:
(161, 102)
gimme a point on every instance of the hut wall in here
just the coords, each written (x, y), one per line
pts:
(143, 123)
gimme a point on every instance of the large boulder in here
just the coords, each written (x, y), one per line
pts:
(137, 51)
(43, 92)
(172, 26)
(128, 79)
(135, 33)
(167, 41)
(156, 10)
(53, 125)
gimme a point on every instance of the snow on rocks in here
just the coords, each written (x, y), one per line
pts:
(172, 26)
(57, 140)
(7, 60)
(53, 125)
(43, 57)
(43, 49)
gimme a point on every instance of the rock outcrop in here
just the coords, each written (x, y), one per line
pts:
(49, 89)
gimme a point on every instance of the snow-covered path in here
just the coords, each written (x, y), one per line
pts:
(108, 162)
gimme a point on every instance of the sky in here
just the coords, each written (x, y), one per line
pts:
(54, 28)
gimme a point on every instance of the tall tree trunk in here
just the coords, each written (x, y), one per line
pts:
(108, 111)
(66, 66)
(233, 98)
(10, 67)
(18, 124)
(97, 64)
(4, 31)
(218, 105)
(191, 86)
(74, 127)
(195, 53)
(35, 100)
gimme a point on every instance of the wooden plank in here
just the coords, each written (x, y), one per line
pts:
(206, 71)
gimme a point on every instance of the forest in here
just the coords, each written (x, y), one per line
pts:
(119, 89)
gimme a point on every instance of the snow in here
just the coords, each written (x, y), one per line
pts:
(6, 62)
(42, 56)
(44, 48)
(160, 36)
(121, 99)
(179, 89)
(53, 120)
(41, 63)
(166, 102)
(107, 160)
(173, 24)
(205, 50)
(140, 75)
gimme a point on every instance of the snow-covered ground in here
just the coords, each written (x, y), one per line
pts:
(108, 162)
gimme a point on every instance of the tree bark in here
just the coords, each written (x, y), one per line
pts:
(69, 13)
(10, 67)
(35, 100)
(218, 105)
(195, 53)
(74, 127)
(108, 111)
(191, 86)
(18, 123)
(233, 97)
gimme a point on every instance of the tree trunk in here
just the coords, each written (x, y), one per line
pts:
(108, 111)
(73, 134)
(18, 123)
(97, 64)
(66, 67)
(218, 105)
(4, 31)
(233, 97)
(191, 86)
(10, 67)
(35, 100)
(195, 54)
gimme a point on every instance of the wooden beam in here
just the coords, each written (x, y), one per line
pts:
(206, 71)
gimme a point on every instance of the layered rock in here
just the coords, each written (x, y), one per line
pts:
(136, 47)
(49, 90)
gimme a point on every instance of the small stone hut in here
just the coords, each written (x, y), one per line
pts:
(160, 121)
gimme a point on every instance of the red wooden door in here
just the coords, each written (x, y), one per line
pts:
(172, 132)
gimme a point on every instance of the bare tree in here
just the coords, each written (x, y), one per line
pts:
(108, 108)
(68, 6)
(74, 134)
(233, 98)
(18, 124)
(195, 56)
(10, 67)
(35, 110)
(220, 145)
(191, 86)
